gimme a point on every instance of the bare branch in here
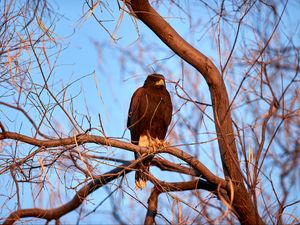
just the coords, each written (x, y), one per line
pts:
(56, 213)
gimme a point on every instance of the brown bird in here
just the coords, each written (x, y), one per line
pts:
(149, 116)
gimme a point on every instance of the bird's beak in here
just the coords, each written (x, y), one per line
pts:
(160, 82)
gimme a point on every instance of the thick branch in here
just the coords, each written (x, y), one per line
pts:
(204, 65)
(242, 202)
(152, 207)
(163, 164)
(195, 164)
(162, 187)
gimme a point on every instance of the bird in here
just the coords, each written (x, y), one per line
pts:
(149, 116)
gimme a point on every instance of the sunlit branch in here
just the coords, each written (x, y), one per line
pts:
(56, 213)
(86, 138)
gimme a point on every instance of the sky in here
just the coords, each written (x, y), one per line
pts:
(107, 89)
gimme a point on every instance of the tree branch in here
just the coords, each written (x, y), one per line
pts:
(152, 207)
(81, 139)
(242, 203)
(56, 213)
(198, 169)
(163, 187)
(163, 164)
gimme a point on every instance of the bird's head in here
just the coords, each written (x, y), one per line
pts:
(155, 81)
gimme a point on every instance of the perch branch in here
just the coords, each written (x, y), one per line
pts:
(81, 139)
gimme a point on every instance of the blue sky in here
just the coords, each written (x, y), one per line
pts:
(107, 89)
(116, 86)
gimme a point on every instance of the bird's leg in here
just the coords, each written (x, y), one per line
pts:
(147, 141)
(144, 141)
(151, 144)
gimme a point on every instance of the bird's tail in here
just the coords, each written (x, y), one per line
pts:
(140, 180)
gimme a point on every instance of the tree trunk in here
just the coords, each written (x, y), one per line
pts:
(242, 203)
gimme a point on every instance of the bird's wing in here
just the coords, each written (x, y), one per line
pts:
(168, 109)
(133, 113)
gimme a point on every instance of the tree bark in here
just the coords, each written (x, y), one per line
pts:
(242, 203)
(152, 207)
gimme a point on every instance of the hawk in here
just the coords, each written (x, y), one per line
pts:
(149, 116)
